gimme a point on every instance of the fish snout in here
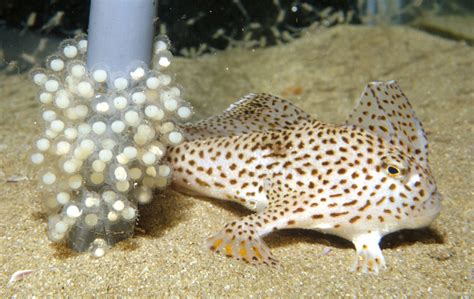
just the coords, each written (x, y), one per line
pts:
(432, 206)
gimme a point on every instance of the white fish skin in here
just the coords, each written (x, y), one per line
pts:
(360, 180)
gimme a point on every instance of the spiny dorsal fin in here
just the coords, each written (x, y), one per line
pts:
(384, 110)
(252, 113)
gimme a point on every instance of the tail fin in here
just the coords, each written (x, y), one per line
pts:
(240, 241)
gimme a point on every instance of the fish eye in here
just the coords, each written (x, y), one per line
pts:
(393, 170)
(395, 167)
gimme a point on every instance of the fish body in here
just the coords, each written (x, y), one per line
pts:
(360, 180)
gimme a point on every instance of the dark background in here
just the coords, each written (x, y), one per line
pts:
(192, 24)
(209, 15)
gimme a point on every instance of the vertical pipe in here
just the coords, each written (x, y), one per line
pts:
(120, 34)
(371, 12)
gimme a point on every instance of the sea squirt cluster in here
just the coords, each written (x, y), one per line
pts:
(104, 139)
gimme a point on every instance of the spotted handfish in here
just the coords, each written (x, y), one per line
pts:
(360, 180)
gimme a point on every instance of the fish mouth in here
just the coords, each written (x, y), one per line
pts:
(431, 210)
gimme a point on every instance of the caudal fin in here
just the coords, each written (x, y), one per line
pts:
(239, 241)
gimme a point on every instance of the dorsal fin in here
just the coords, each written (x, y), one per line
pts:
(384, 110)
(252, 113)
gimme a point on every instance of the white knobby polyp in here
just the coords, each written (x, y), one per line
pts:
(132, 118)
(62, 147)
(118, 205)
(105, 155)
(70, 51)
(130, 152)
(49, 178)
(78, 70)
(120, 102)
(70, 166)
(85, 89)
(73, 211)
(165, 79)
(117, 126)
(92, 201)
(120, 83)
(149, 158)
(70, 133)
(43, 144)
(81, 111)
(102, 107)
(157, 148)
(62, 100)
(171, 104)
(63, 198)
(99, 76)
(122, 159)
(184, 112)
(109, 196)
(120, 173)
(51, 85)
(160, 46)
(135, 173)
(99, 127)
(91, 220)
(57, 125)
(61, 227)
(97, 178)
(56, 64)
(49, 115)
(164, 170)
(129, 213)
(82, 45)
(137, 74)
(75, 181)
(45, 97)
(139, 97)
(98, 165)
(175, 137)
(37, 158)
(152, 83)
(40, 78)
(84, 129)
(112, 216)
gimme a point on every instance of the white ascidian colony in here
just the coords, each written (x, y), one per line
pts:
(103, 145)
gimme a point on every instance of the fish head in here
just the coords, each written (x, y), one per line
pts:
(412, 187)
(385, 112)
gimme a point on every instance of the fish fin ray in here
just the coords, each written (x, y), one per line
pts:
(384, 110)
(369, 257)
(252, 113)
(242, 244)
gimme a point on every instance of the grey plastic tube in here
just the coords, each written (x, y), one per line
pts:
(120, 34)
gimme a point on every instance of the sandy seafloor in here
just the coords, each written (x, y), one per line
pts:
(167, 257)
